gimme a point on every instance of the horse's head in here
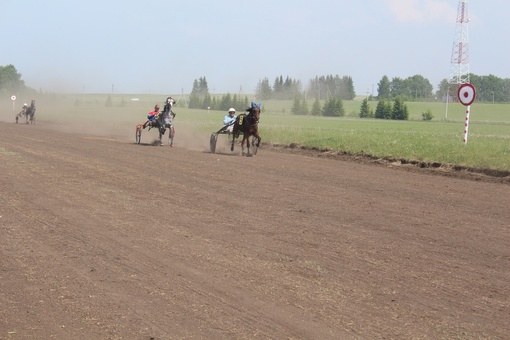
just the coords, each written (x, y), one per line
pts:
(32, 103)
(169, 102)
(254, 111)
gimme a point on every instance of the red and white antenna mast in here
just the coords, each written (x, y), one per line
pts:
(459, 64)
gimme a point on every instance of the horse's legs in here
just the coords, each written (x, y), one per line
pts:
(233, 141)
(258, 139)
(248, 145)
(161, 133)
(171, 136)
(245, 140)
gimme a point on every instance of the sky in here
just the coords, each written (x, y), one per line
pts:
(162, 46)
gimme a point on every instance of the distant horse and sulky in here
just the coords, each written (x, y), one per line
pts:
(28, 112)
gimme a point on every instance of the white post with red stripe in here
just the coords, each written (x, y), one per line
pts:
(466, 94)
(13, 98)
(466, 124)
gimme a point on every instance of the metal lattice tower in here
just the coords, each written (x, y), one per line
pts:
(459, 64)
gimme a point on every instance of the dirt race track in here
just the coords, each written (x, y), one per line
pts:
(104, 239)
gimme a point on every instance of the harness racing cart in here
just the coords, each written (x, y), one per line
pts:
(162, 124)
(223, 131)
(214, 137)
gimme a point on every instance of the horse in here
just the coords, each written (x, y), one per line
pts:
(248, 125)
(30, 113)
(165, 120)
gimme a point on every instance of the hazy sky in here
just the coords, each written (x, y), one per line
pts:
(161, 46)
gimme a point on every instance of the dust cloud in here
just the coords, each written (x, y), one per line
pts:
(113, 124)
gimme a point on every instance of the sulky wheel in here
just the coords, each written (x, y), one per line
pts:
(212, 142)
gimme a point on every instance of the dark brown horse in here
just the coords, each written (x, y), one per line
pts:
(247, 124)
(30, 113)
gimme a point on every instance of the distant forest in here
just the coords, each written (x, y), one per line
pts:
(415, 88)
(489, 88)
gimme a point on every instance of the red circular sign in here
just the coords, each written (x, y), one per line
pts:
(466, 94)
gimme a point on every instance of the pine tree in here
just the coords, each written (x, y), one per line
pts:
(339, 107)
(316, 108)
(199, 97)
(278, 86)
(264, 90)
(332, 108)
(365, 109)
(296, 106)
(194, 98)
(203, 87)
(226, 102)
(383, 109)
(399, 111)
(206, 104)
(349, 93)
(304, 107)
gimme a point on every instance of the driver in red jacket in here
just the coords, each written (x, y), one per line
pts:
(151, 117)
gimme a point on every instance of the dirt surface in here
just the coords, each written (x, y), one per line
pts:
(104, 239)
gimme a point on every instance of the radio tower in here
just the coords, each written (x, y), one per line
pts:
(459, 64)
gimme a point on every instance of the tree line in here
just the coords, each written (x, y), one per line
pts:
(413, 88)
(417, 88)
(391, 97)
(322, 87)
(490, 88)
(10, 80)
(200, 98)
(333, 107)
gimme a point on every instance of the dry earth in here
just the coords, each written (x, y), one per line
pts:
(104, 239)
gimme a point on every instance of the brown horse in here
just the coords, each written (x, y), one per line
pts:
(247, 124)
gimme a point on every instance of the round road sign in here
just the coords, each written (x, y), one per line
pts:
(466, 94)
(13, 97)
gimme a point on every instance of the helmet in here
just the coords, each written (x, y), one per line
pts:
(25, 104)
(231, 110)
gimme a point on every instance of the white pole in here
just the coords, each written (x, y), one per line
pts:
(466, 125)
(447, 100)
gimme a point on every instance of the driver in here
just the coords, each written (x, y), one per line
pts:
(229, 120)
(151, 117)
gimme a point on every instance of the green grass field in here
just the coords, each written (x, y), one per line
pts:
(439, 140)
